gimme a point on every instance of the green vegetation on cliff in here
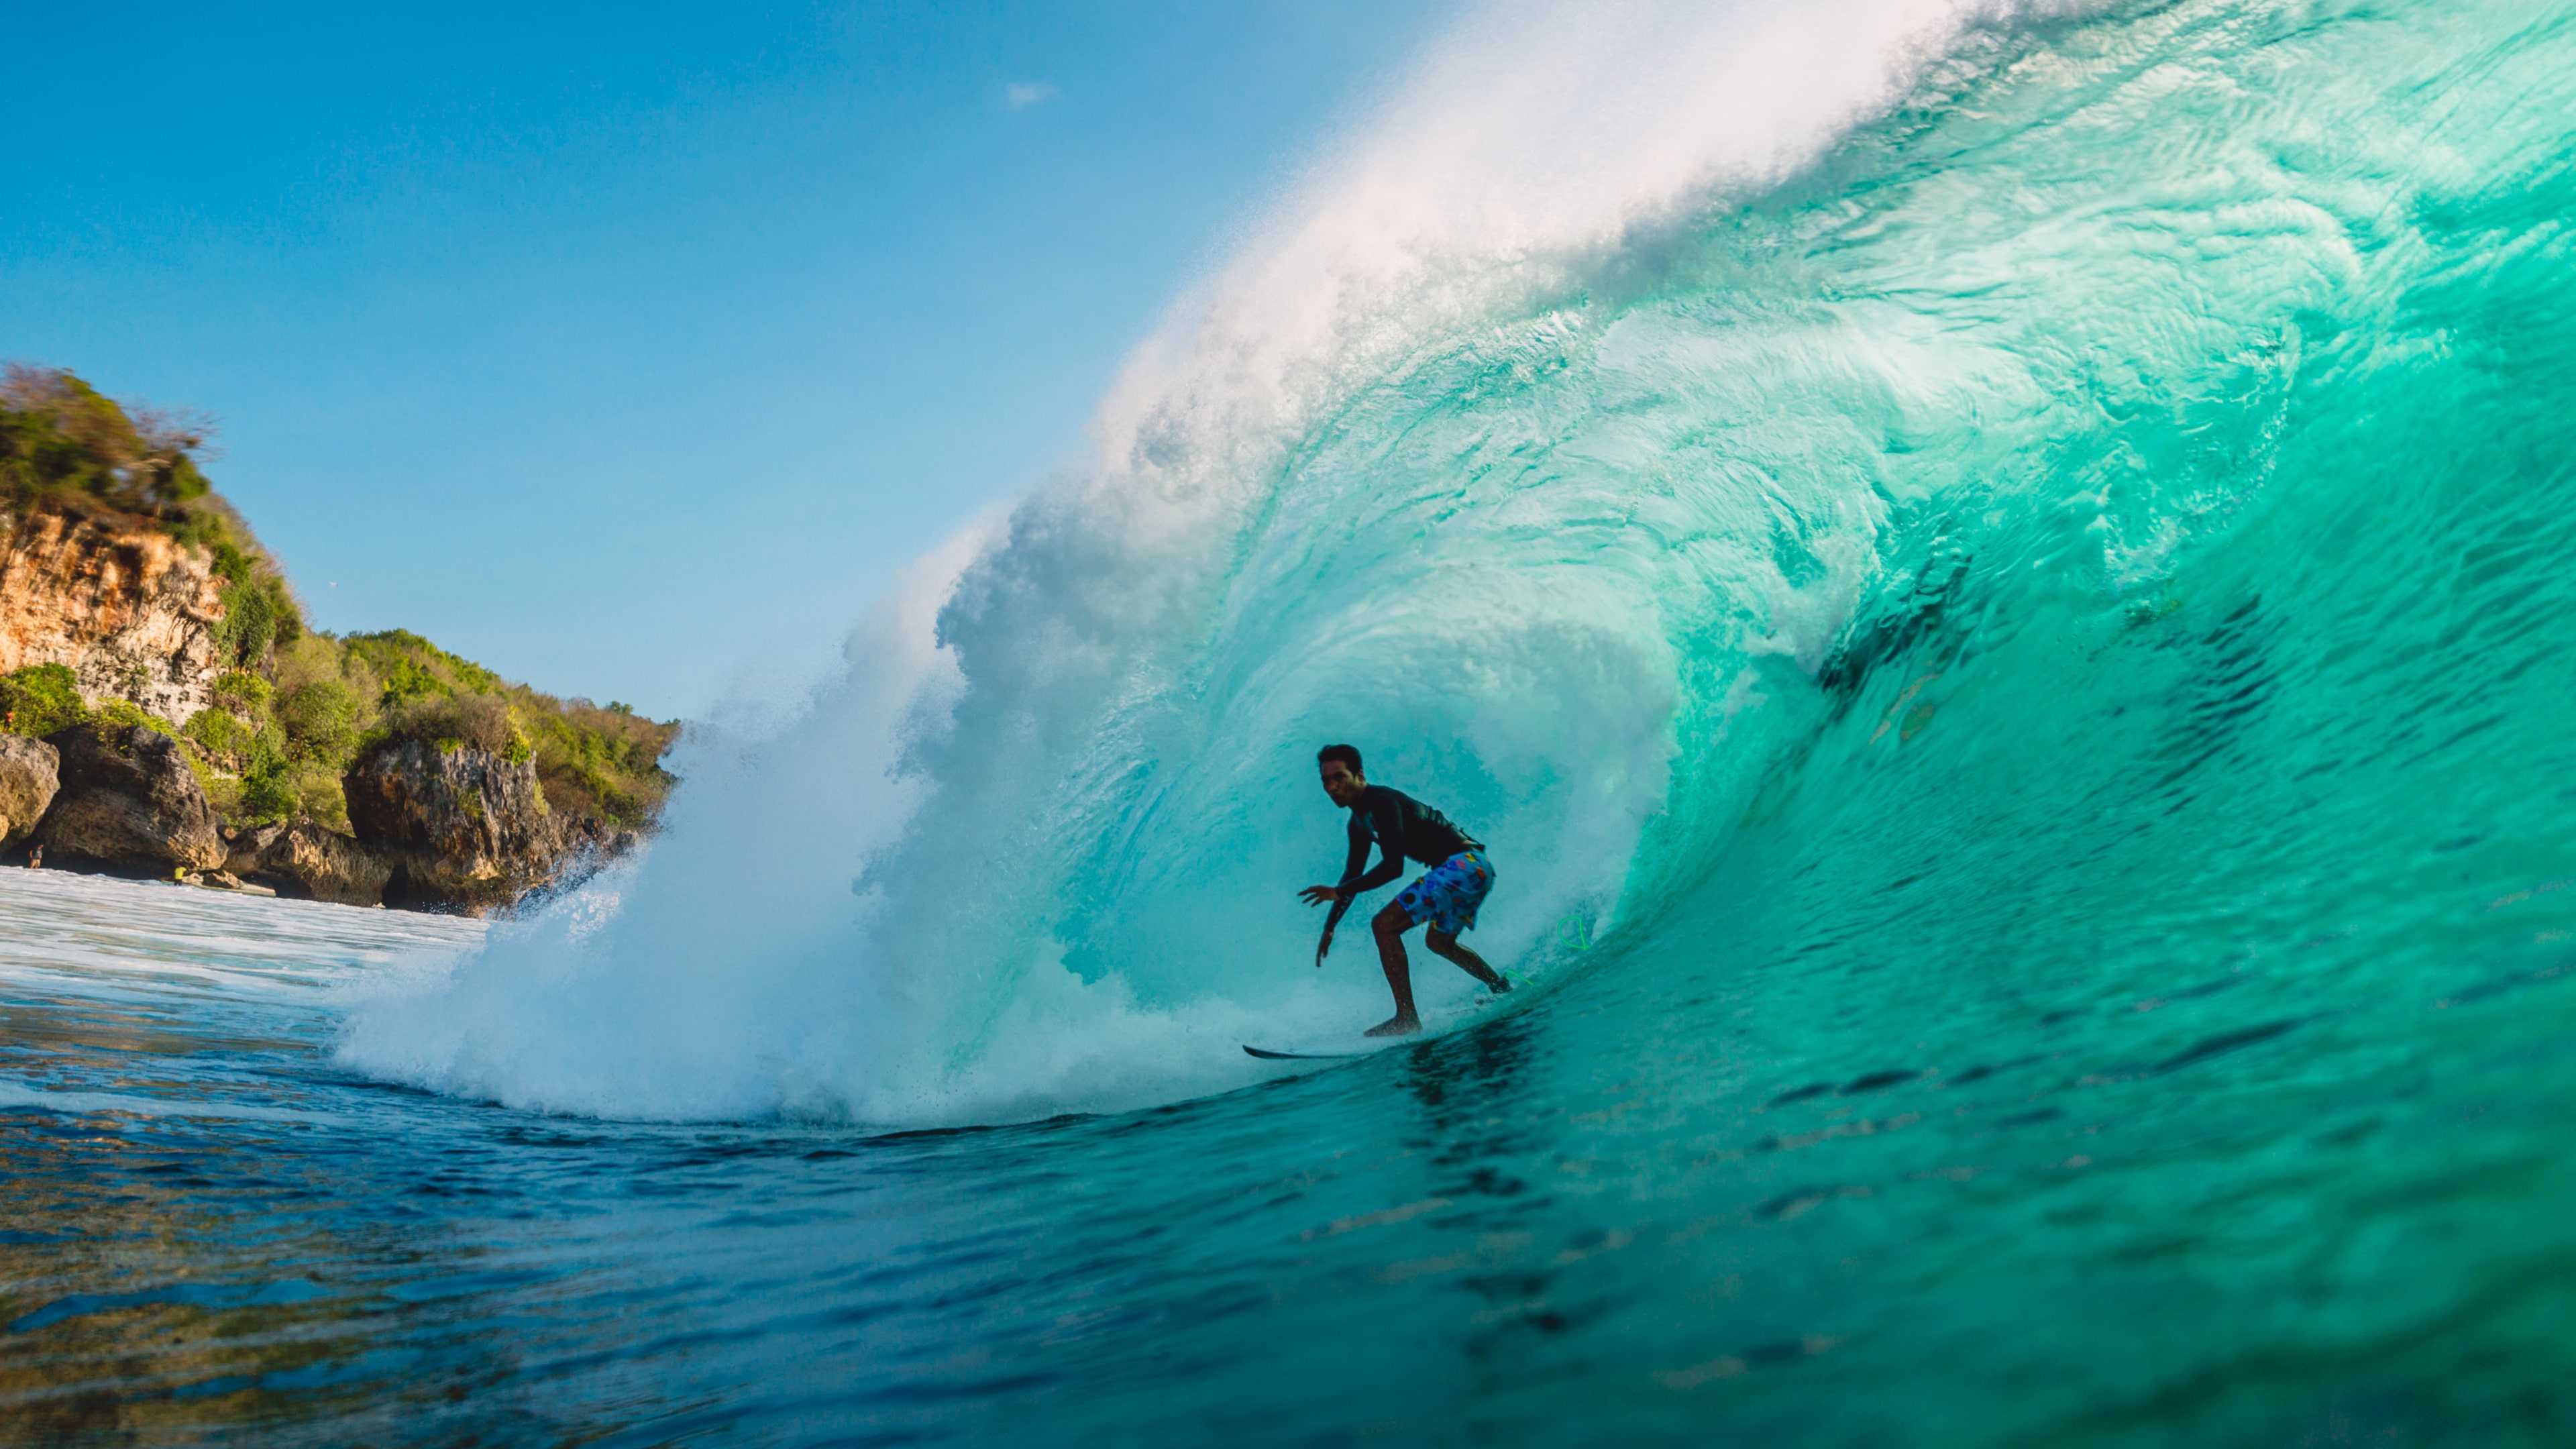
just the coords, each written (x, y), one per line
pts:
(66, 446)
(40, 699)
(296, 709)
(61, 439)
(603, 762)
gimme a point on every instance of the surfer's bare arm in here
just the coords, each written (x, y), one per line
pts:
(1349, 890)
(1324, 943)
(1340, 895)
(1316, 896)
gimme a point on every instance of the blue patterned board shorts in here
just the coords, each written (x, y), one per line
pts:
(1449, 893)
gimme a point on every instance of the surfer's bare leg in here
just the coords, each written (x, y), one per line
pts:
(1390, 925)
(1465, 958)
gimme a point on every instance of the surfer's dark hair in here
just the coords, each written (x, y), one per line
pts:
(1347, 754)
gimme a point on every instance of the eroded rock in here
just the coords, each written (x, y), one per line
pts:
(306, 861)
(462, 828)
(128, 804)
(132, 611)
(30, 774)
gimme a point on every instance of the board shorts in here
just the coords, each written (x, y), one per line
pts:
(1449, 893)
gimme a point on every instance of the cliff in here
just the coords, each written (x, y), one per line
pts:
(190, 722)
(130, 610)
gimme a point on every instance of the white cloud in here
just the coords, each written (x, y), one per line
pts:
(1020, 95)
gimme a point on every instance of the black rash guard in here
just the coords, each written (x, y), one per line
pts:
(1402, 826)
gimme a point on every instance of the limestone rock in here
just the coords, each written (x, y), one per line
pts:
(464, 828)
(130, 609)
(244, 848)
(128, 804)
(29, 776)
(310, 862)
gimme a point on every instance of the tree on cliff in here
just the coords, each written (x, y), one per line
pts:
(61, 438)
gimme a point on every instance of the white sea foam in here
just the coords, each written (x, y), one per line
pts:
(14, 1097)
(1036, 850)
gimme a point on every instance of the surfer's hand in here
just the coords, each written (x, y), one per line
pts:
(1318, 895)
(1323, 948)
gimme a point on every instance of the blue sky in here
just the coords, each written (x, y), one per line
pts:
(617, 347)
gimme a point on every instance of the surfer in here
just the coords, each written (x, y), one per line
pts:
(1446, 896)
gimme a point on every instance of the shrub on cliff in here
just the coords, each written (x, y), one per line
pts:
(319, 793)
(244, 693)
(118, 713)
(603, 762)
(321, 720)
(408, 667)
(40, 699)
(43, 698)
(222, 736)
(258, 609)
(268, 793)
(266, 758)
(457, 722)
(322, 685)
(236, 734)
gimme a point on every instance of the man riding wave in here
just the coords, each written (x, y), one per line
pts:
(1446, 896)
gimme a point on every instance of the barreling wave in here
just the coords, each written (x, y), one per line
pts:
(1655, 417)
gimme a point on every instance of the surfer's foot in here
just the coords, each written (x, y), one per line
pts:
(1498, 983)
(1395, 1026)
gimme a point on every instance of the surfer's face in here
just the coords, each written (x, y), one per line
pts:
(1341, 783)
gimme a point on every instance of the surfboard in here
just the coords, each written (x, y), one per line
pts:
(1309, 1055)
(1332, 1050)
(1335, 1049)
(1342, 1048)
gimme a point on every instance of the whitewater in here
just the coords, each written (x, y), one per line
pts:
(1995, 577)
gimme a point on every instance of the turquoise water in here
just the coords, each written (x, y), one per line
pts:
(2012, 654)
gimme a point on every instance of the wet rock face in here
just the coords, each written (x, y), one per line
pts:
(128, 804)
(306, 861)
(463, 828)
(29, 776)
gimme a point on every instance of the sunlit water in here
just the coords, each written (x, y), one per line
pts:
(2015, 662)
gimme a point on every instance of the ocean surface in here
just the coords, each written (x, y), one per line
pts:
(1997, 580)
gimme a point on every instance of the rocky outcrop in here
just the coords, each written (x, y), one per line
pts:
(128, 804)
(589, 842)
(131, 611)
(30, 773)
(224, 880)
(306, 861)
(464, 828)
